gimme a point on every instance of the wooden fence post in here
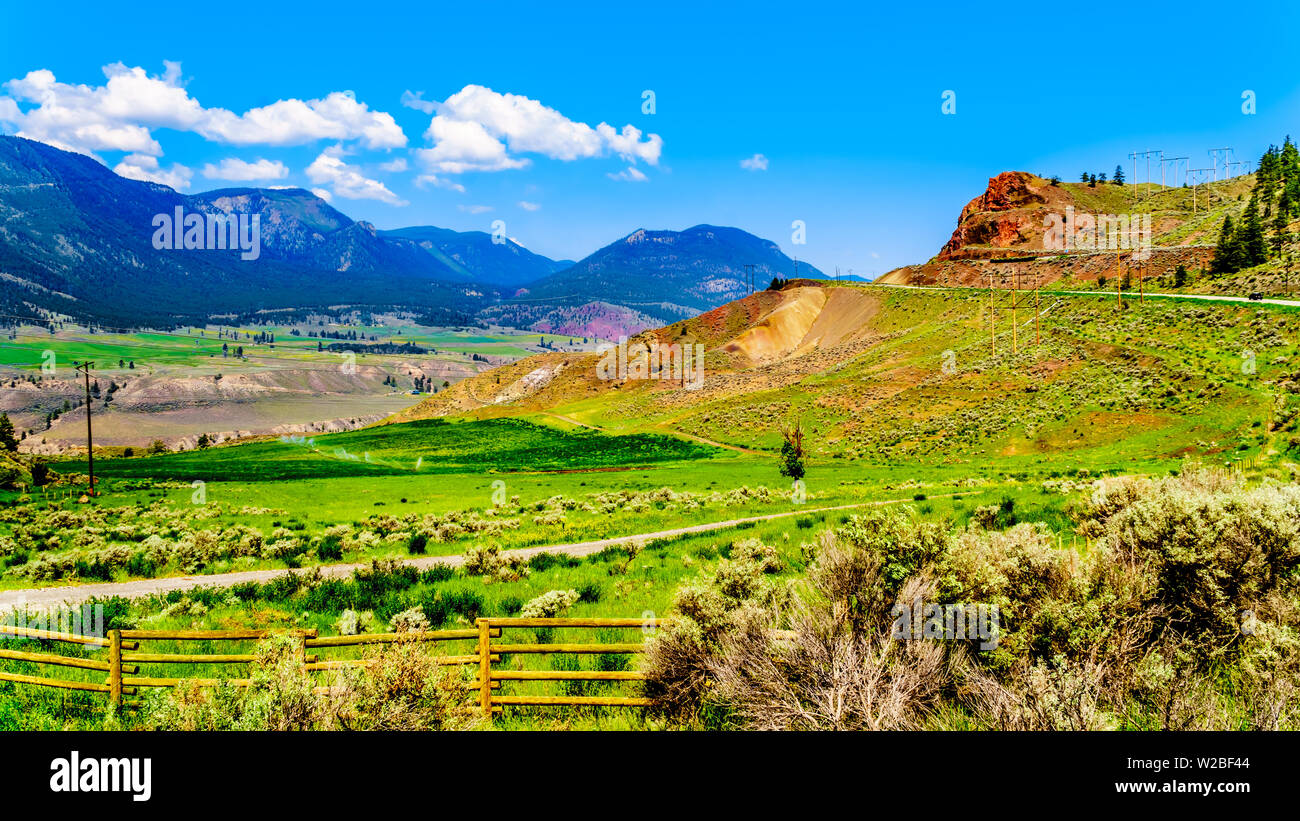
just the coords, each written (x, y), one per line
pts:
(485, 667)
(115, 668)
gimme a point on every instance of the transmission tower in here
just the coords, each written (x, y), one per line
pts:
(1215, 153)
(1197, 178)
(1176, 162)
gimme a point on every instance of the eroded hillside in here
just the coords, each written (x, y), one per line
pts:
(888, 374)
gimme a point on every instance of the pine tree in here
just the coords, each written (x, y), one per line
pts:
(1281, 221)
(7, 439)
(1290, 167)
(1119, 175)
(1254, 248)
(1227, 258)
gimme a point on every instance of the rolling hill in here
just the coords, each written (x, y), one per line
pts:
(900, 376)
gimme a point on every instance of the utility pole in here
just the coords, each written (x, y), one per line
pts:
(85, 367)
(993, 319)
(1015, 303)
(1196, 183)
(1134, 157)
(1214, 156)
(1176, 161)
(1038, 338)
(1147, 154)
(1015, 291)
(1119, 281)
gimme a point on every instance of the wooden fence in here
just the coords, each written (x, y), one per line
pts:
(495, 684)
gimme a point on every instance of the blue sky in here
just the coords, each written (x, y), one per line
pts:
(842, 100)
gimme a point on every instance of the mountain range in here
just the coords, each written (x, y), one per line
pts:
(77, 239)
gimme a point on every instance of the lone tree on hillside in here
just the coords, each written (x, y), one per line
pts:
(7, 439)
(1118, 178)
(792, 451)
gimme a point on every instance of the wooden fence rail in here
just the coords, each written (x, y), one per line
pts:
(124, 659)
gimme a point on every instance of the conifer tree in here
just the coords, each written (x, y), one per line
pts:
(1227, 258)
(7, 439)
(1252, 245)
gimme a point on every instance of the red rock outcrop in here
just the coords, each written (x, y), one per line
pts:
(1004, 216)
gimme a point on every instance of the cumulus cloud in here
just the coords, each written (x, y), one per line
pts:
(631, 174)
(478, 129)
(238, 170)
(394, 166)
(529, 206)
(346, 181)
(323, 194)
(120, 114)
(146, 168)
(755, 163)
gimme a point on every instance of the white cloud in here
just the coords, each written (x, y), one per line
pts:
(146, 169)
(395, 166)
(416, 100)
(432, 180)
(346, 180)
(529, 206)
(338, 116)
(235, 169)
(323, 194)
(478, 129)
(475, 209)
(9, 111)
(119, 115)
(461, 146)
(632, 174)
(755, 163)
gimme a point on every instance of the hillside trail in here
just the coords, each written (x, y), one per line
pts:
(666, 425)
(716, 444)
(51, 598)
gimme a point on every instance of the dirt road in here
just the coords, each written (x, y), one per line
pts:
(49, 598)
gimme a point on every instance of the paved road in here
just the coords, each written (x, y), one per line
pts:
(49, 598)
(1289, 303)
